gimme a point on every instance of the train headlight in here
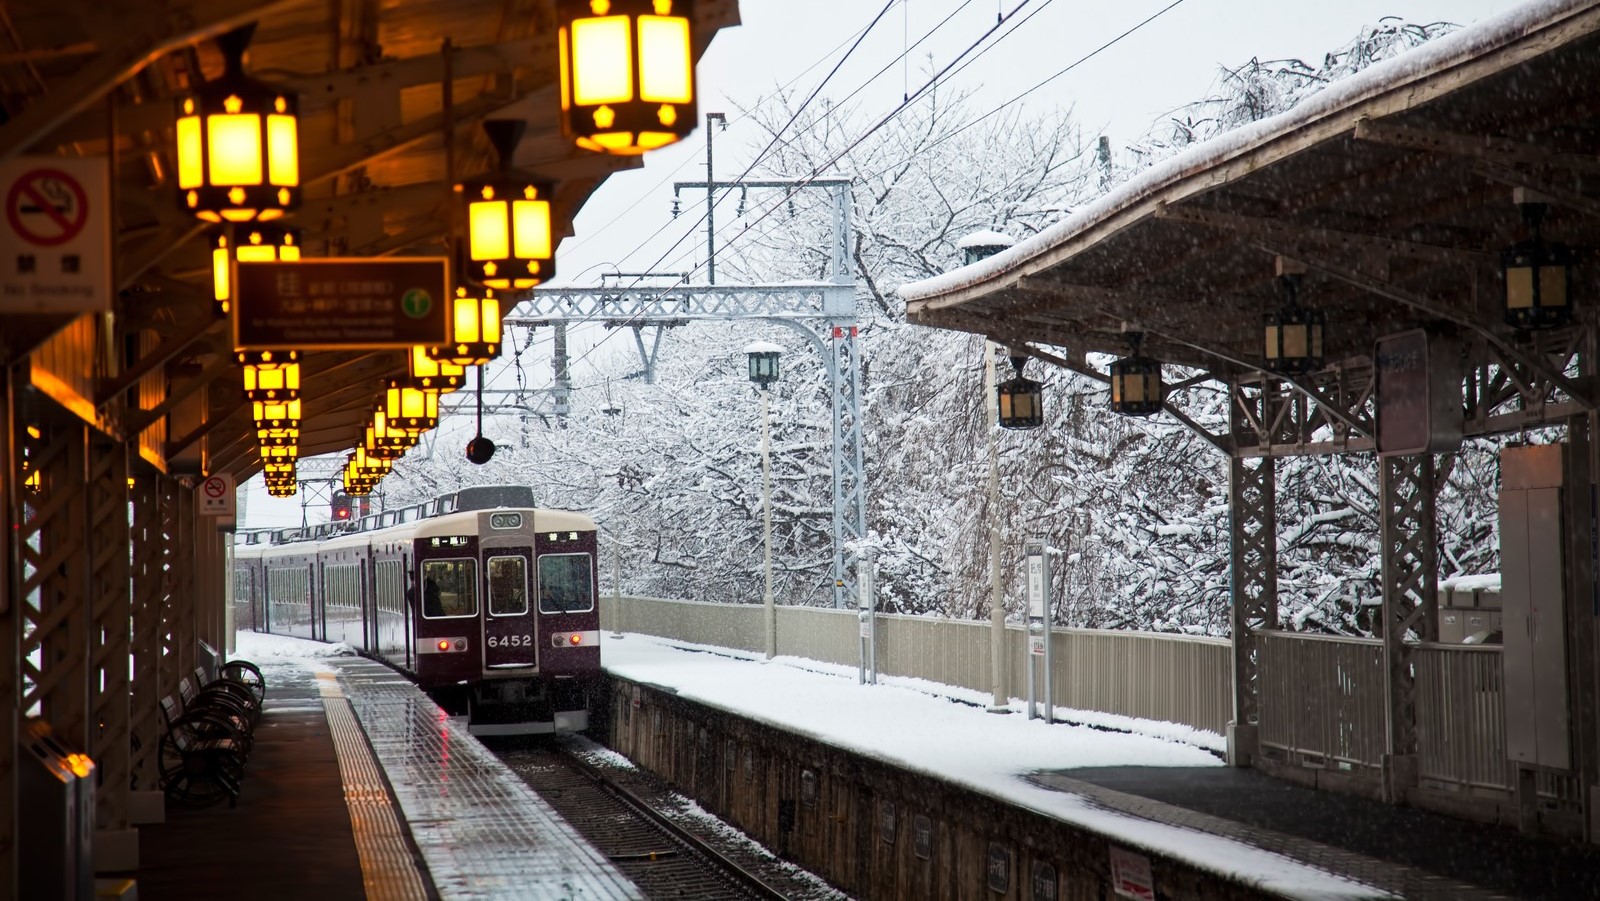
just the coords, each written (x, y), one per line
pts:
(576, 639)
(444, 645)
(461, 644)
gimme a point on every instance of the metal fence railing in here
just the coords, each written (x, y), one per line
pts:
(1461, 730)
(1322, 698)
(1175, 678)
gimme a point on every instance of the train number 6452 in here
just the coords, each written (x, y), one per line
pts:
(510, 641)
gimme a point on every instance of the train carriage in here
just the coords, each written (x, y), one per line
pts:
(479, 596)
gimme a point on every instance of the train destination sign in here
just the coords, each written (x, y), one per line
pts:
(341, 304)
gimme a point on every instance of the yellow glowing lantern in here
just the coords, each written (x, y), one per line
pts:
(627, 73)
(429, 374)
(252, 243)
(509, 239)
(286, 454)
(389, 436)
(474, 330)
(410, 408)
(238, 143)
(271, 375)
(280, 414)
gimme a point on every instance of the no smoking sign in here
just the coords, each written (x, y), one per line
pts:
(47, 207)
(216, 498)
(55, 239)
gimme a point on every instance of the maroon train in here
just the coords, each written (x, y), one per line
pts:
(488, 602)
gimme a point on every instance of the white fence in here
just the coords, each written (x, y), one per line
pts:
(1175, 678)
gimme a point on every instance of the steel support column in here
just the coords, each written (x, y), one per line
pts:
(10, 631)
(149, 594)
(1410, 604)
(109, 585)
(849, 468)
(1253, 559)
(55, 574)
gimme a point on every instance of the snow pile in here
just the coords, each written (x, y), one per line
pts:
(259, 646)
(963, 745)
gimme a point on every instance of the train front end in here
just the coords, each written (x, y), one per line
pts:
(510, 617)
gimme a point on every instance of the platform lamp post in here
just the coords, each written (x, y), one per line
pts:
(764, 371)
(974, 247)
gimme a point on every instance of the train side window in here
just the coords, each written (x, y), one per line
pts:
(449, 588)
(508, 586)
(565, 583)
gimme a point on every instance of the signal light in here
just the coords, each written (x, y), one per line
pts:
(444, 645)
(577, 638)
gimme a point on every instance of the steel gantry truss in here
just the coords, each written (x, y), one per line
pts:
(824, 312)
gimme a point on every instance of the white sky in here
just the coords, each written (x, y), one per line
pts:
(1121, 92)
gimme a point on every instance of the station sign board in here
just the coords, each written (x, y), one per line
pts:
(341, 304)
(55, 235)
(1418, 385)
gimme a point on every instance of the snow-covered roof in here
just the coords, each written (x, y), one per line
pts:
(763, 347)
(1331, 113)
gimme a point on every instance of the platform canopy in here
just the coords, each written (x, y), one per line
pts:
(158, 371)
(1393, 189)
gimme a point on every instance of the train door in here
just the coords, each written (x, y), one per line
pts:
(508, 622)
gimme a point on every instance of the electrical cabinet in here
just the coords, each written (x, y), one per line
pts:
(1533, 606)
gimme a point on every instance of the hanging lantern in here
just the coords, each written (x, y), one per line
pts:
(386, 436)
(474, 330)
(287, 436)
(1294, 333)
(282, 490)
(287, 454)
(627, 73)
(1021, 400)
(357, 487)
(275, 414)
(271, 375)
(278, 470)
(1136, 388)
(378, 451)
(253, 243)
(410, 408)
(429, 374)
(509, 239)
(238, 143)
(1537, 275)
(363, 467)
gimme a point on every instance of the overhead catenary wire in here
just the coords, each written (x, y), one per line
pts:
(951, 68)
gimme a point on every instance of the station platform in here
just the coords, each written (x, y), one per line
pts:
(359, 786)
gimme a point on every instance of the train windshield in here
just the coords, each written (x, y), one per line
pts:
(449, 588)
(508, 586)
(565, 583)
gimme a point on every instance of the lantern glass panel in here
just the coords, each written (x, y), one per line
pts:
(1553, 285)
(234, 149)
(1272, 339)
(1519, 287)
(1296, 342)
(468, 309)
(191, 156)
(531, 224)
(283, 150)
(488, 228)
(665, 65)
(603, 51)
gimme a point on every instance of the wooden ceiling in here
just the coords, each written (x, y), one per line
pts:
(1397, 196)
(373, 159)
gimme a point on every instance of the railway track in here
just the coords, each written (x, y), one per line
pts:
(658, 838)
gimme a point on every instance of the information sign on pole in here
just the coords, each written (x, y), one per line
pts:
(55, 236)
(341, 304)
(217, 500)
(1418, 387)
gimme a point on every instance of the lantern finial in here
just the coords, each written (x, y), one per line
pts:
(504, 135)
